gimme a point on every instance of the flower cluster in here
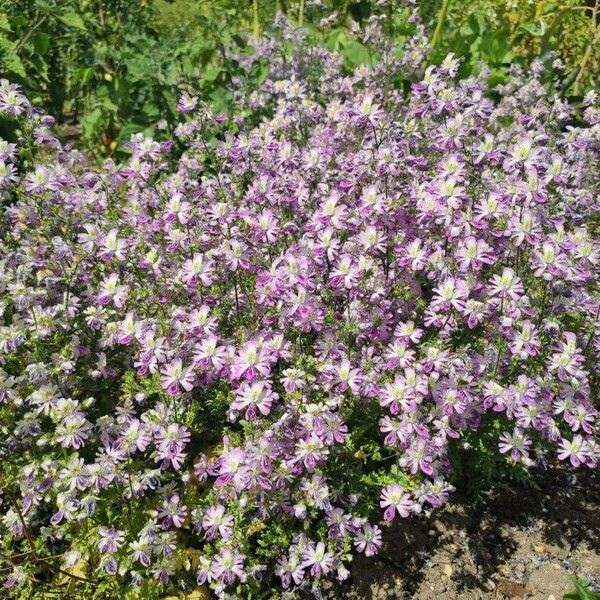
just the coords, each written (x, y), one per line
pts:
(222, 361)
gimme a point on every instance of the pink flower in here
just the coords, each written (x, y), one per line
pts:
(318, 559)
(368, 539)
(175, 376)
(395, 500)
(450, 293)
(253, 396)
(197, 270)
(111, 291)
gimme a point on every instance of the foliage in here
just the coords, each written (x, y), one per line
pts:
(225, 358)
(106, 70)
(499, 30)
(582, 591)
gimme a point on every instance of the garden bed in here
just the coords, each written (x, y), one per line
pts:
(520, 542)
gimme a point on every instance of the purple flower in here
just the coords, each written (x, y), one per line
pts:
(507, 285)
(170, 443)
(254, 396)
(575, 450)
(395, 500)
(450, 293)
(318, 559)
(290, 569)
(186, 103)
(111, 291)
(215, 521)
(227, 565)
(368, 539)
(175, 376)
(172, 512)
(516, 443)
(111, 539)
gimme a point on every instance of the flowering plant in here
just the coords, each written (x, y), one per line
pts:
(222, 361)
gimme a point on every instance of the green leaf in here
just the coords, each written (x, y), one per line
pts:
(11, 59)
(495, 47)
(4, 22)
(92, 120)
(581, 591)
(536, 28)
(497, 77)
(41, 42)
(72, 19)
(357, 54)
(19, 21)
(336, 40)
(211, 73)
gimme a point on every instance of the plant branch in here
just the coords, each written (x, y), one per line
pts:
(437, 34)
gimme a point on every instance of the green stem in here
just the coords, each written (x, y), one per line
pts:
(255, 22)
(437, 34)
(593, 331)
(25, 39)
(301, 14)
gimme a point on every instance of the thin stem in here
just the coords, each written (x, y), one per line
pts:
(587, 345)
(349, 341)
(25, 528)
(59, 570)
(543, 305)
(301, 14)
(437, 34)
(255, 21)
(237, 299)
(591, 46)
(25, 39)
(37, 557)
(101, 13)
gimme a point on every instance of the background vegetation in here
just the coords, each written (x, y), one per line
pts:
(108, 68)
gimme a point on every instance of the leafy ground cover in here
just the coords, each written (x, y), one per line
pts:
(360, 282)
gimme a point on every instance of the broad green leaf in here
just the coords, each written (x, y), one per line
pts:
(4, 22)
(336, 40)
(357, 54)
(10, 58)
(18, 21)
(536, 28)
(72, 19)
(41, 41)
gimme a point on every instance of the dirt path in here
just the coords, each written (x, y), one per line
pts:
(520, 543)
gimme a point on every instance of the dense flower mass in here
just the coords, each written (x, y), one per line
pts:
(222, 362)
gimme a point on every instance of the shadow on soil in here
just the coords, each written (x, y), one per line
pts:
(522, 542)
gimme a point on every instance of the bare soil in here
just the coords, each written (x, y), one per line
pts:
(519, 543)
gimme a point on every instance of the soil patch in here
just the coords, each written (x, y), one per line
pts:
(522, 542)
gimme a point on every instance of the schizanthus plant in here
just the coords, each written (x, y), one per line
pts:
(224, 361)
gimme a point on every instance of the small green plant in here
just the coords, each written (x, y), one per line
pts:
(581, 591)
